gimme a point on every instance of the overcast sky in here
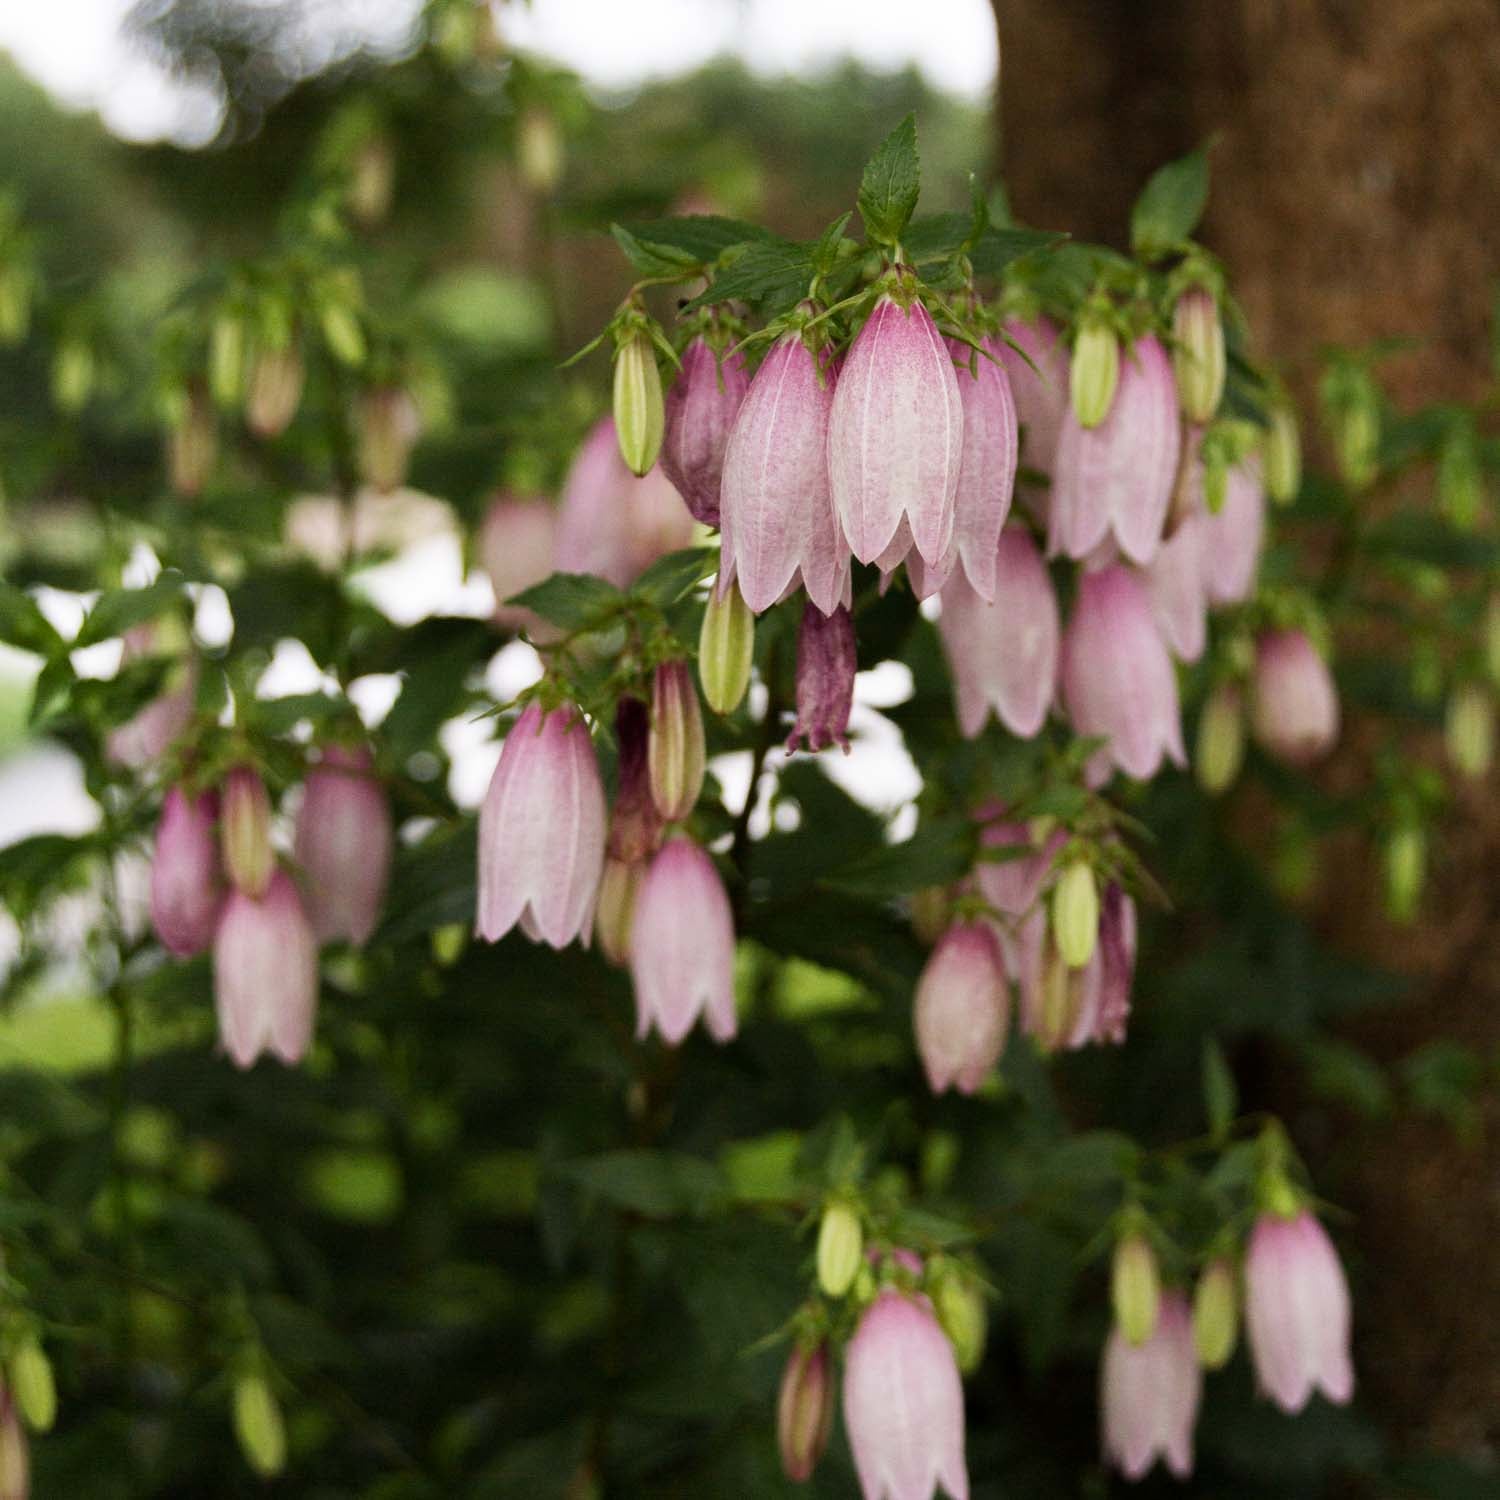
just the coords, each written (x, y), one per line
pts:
(75, 47)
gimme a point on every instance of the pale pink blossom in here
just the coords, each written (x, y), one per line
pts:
(343, 845)
(1294, 705)
(701, 406)
(1149, 1394)
(962, 1008)
(187, 881)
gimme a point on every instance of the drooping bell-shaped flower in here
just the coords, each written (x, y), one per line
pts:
(1117, 679)
(635, 824)
(541, 831)
(1040, 388)
(827, 660)
(343, 845)
(265, 974)
(1149, 1394)
(387, 424)
(804, 1410)
(515, 544)
(154, 729)
(245, 831)
(1066, 1008)
(15, 1456)
(1232, 539)
(682, 946)
(1115, 480)
(1013, 885)
(1297, 1312)
(1175, 581)
(904, 1403)
(895, 438)
(275, 393)
(187, 882)
(1003, 656)
(700, 410)
(1294, 711)
(776, 508)
(962, 1008)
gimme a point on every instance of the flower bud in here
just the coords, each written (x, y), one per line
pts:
(1405, 871)
(1471, 730)
(32, 1385)
(962, 1008)
(1283, 455)
(265, 975)
(388, 425)
(372, 177)
(1075, 913)
(75, 370)
(1216, 1314)
(1221, 739)
(674, 748)
(930, 911)
(700, 409)
(343, 845)
(1459, 478)
(258, 1425)
(276, 378)
(16, 288)
(539, 149)
(841, 1245)
(639, 410)
(226, 358)
(804, 1411)
(961, 1308)
(616, 909)
(245, 831)
(1295, 708)
(827, 660)
(1352, 402)
(187, 883)
(192, 443)
(15, 1460)
(726, 649)
(1095, 372)
(1135, 1287)
(1198, 357)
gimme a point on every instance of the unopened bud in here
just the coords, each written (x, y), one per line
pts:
(371, 180)
(276, 378)
(841, 1243)
(931, 912)
(448, 943)
(192, 443)
(675, 751)
(1282, 461)
(960, 1305)
(1221, 739)
(388, 424)
(640, 411)
(1215, 479)
(32, 1385)
(1405, 871)
(726, 647)
(343, 333)
(1216, 1314)
(1471, 730)
(1075, 913)
(1060, 998)
(1459, 478)
(16, 286)
(226, 358)
(245, 828)
(539, 150)
(1356, 441)
(804, 1411)
(612, 916)
(1198, 356)
(74, 371)
(258, 1425)
(1135, 1287)
(1095, 372)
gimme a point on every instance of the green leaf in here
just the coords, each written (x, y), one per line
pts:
(935, 237)
(655, 1184)
(768, 274)
(891, 183)
(23, 624)
(572, 601)
(670, 577)
(275, 716)
(826, 248)
(655, 260)
(1220, 1095)
(996, 249)
(938, 852)
(117, 610)
(1170, 205)
(704, 237)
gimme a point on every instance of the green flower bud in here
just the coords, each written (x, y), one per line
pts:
(276, 377)
(1405, 871)
(342, 333)
(640, 412)
(539, 150)
(1198, 354)
(448, 943)
(32, 1385)
(960, 1306)
(674, 746)
(74, 371)
(371, 179)
(1216, 1314)
(1471, 730)
(226, 358)
(15, 302)
(245, 831)
(1075, 913)
(726, 646)
(931, 911)
(1460, 481)
(1095, 371)
(1135, 1287)
(616, 908)
(1061, 997)
(192, 443)
(258, 1425)
(388, 425)
(1221, 739)
(1283, 455)
(841, 1244)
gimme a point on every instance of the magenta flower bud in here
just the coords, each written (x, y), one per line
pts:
(515, 546)
(1149, 1394)
(1297, 1312)
(701, 408)
(635, 825)
(1175, 581)
(804, 1411)
(245, 831)
(1117, 679)
(1232, 539)
(1041, 393)
(1116, 479)
(343, 846)
(904, 1403)
(187, 883)
(1003, 655)
(1013, 885)
(265, 974)
(962, 1008)
(541, 831)
(777, 515)
(682, 946)
(895, 438)
(826, 664)
(1295, 706)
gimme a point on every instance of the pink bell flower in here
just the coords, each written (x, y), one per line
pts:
(343, 845)
(1175, 581)
(1117, 679)
(265, 974)
(187, 881)
(1232, 539)
(962, 1008)
(1297, 1312)
(1040, 388)
(1115, 480)
(895, 438)
(701, 406)
(1294, 704)
(635, 825)
(1003, 656)
(682, 946)
(1012, 886)
(541, 832)
(515, 545)
(776, 509)
(1149, 1394)
(904, 1403)
(827, 661)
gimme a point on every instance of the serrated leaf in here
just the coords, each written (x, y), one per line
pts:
(23, 624)
(652, 259)
(117, 610)
(705, 237)
(825, 250)
(768, 273)
(935, 237)
(1220, 1095)
(573, 601)
(1170, 205)
(891, 183)
(670, 577)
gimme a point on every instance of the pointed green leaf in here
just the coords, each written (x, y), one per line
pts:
(891, 183)
(574, 601)
(1170, 205)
